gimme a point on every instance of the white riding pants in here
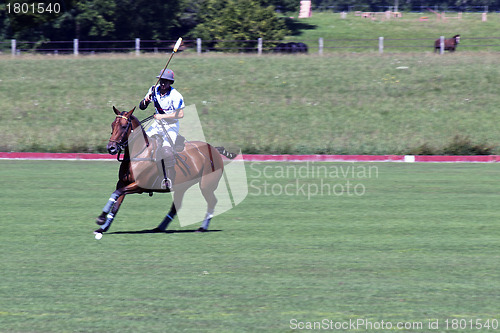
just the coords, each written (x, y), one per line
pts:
(157, 129)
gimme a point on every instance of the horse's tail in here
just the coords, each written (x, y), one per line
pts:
(224, 152)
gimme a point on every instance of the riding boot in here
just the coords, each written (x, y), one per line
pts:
(167, 167)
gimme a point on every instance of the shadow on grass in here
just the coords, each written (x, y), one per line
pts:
(154, 231)
(296, 27)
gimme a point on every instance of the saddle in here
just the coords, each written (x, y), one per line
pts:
(180, 143)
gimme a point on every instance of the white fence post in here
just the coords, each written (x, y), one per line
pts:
(13, 47)
(381, 45)
(259, 46)
(75, 46)
(320, 49)
(198, 45)
(137, 46)
(441, 45)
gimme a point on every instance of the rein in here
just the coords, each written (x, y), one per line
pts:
(147, 119)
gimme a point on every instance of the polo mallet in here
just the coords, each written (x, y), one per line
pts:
(176, 46)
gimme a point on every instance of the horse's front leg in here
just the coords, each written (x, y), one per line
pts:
(112, 206)
(109, 212)
(115, 196)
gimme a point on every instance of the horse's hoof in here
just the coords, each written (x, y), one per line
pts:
(201, 229)
(100, 220)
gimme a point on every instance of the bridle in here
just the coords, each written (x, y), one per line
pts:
(123, 142)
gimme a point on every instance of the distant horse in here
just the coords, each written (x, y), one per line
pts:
(198, 162)
(302, 47)
(291, 47)
(450, 44)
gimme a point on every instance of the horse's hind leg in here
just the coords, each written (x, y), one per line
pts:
(211, 199)
(166, 221)
(208, 185)
(176, 205)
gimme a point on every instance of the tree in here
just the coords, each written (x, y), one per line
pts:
(95, 18)
(282, 5)
(237, 20)
(22, 19)
(148, 19)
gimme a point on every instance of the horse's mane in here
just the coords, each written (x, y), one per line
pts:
(137, 123)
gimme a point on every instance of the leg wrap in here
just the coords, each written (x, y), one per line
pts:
(111, 203)
(207, 220)
(109, 219)
(166, 221)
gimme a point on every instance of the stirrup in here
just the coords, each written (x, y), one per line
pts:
(166, 183)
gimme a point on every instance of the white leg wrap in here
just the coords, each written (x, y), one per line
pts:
(111, 203)
(109, 220)
(206, 221)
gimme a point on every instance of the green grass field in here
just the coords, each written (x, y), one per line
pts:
(408, 243)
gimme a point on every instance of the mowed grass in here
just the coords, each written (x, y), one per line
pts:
(331, 104)
(406, 34)
(377, 241)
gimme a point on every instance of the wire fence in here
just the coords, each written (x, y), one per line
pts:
(412, 9)
(318, 46)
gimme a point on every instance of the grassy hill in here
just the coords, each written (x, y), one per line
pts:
(344, 102)
(408, 34)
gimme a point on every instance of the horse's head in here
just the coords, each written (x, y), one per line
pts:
(120, 130)
(457, 39)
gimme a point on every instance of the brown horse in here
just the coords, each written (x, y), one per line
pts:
(198, 162)
(450, 44)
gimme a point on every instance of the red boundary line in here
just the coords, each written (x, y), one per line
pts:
(273, 158)
(55, 156)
